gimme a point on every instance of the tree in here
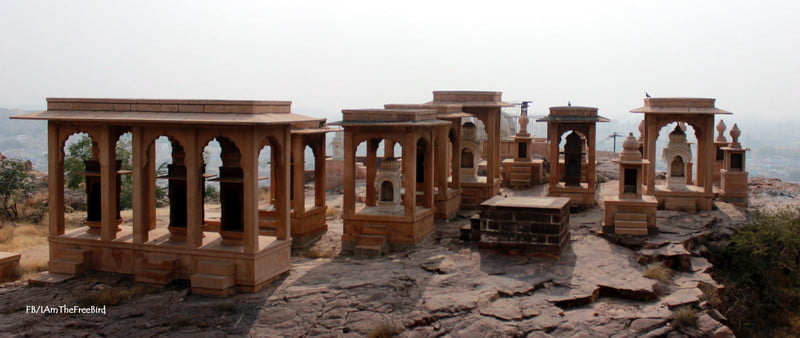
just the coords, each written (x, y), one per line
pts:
(17, 186)
(73, 163)
(81, 151)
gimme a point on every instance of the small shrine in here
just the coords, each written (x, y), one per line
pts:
(733, 175)
(216, 258)
(471, 149)
(485, 106)
(719, 142)
(448, 150)
(694, 194)
(677, 155)
(392, 217)
(522, 171)
(630, 212)
(572, 171)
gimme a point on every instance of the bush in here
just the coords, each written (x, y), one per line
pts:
(659, 272)
(762, 277)
(18, 185)
(385, 330)
(684, 317)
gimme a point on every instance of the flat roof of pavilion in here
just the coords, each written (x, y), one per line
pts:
(574, 114)
(443, 111)
(134, 111)
(392, 117)
(679, 105)
(468, 98)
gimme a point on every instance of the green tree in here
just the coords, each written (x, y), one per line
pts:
(82, 150)
(18, 184)
(73, 163)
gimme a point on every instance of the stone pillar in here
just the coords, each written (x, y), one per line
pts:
(320, 181)
(140, 164)
(281, 185)
(591, 176)
(492, 147)
(349, 198)
(440, 147)
(55, 180)
(429, 171)
(371, 164)
(455, 160)
(298, 194)
(195, 185)
(410, 172)
(108, 189)
(249, 163)
(555, 139)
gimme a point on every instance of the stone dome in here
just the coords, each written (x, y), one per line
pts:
(630, 149)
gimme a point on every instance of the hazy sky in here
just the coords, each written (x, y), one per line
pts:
(329, 55)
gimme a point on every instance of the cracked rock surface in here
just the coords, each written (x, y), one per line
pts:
(444, 287)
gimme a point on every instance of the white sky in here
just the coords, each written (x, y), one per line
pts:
(329, 55)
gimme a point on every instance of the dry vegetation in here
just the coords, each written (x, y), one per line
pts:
(385, 330)
(659, 272)
(684, 317)
(20, 237)
(111, 296)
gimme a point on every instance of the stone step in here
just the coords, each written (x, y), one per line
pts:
(155, 276)
(630, 217)
(212, 267)
(80, 255)
(211, 283)
(267, 231)
(631, 224)
(372, 240)
(46, 278)
(630, 231)
(69, 267)
(368, 251)
(375, 230)
(159, 262)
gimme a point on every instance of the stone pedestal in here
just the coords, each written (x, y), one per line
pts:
(522, 174)
(630, 216)
(9, 265)
(525, 225)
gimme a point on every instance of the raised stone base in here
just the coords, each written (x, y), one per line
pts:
(524, 225)
(522, 174)
(582, 197)
(733, 187)
(630, 216)
(390, 231)
(475, 193)
(446, 207)
(252, 270)
(9, 265)
(688, 199)
(399, 232)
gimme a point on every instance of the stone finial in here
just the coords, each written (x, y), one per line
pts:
(735, 133)
(641, 130)
(721, 132)
(630, 149)
(523, 119)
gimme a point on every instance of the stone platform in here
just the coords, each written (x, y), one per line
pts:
(526, 225)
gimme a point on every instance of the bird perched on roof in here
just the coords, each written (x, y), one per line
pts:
(646, 94)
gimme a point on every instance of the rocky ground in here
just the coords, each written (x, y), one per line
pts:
(444, 287)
